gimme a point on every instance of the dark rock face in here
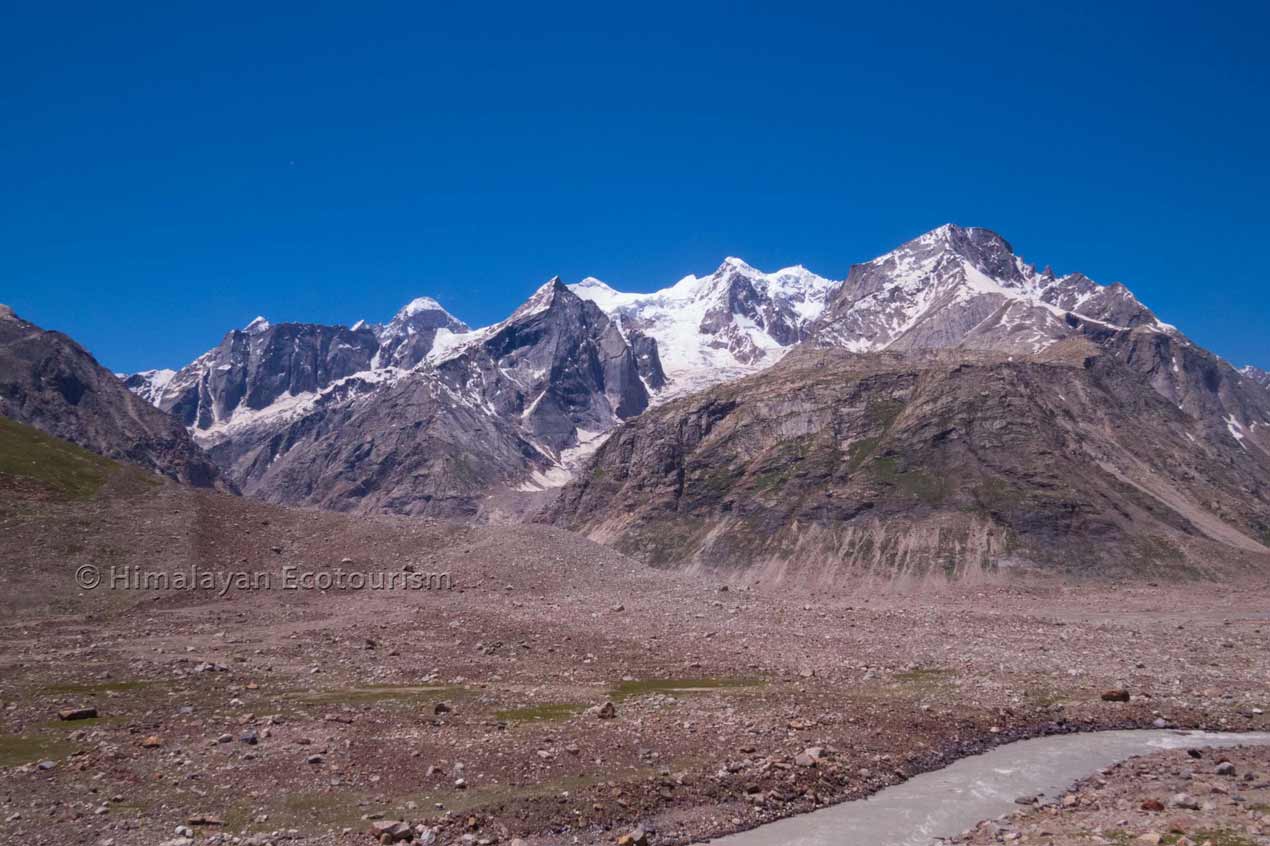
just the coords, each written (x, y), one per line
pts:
(50, 382)
(831, 465)
(252, 368)
(647, 359)
(558, 364)
(499, 409)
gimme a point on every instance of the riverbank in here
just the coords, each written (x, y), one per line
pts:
(996, 785)
(1213, 797)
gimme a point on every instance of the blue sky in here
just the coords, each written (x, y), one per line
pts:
(171, 170)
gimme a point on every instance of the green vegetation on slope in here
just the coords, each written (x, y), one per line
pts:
(31, 454)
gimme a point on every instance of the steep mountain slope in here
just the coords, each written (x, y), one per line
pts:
(50, 382)
(964, 288)
(832, 464)
(501, 409)
(709, 329)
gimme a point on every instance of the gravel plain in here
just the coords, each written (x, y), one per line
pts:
(557, 692)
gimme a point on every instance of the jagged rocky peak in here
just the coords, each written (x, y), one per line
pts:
(558, 363)
(507, 409)
(262, 363)
(542, 299)
(6, 313)
(253, 367)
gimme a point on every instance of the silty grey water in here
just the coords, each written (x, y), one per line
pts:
(946, 802)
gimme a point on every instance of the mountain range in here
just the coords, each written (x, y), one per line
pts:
(804, 406)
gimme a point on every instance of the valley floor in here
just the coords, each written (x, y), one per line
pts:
(309, 716)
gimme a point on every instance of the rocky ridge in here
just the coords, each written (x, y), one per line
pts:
(52, 383)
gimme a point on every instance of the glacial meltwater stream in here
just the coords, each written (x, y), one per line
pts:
(946, 802)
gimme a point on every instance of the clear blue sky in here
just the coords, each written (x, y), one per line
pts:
(171, 170)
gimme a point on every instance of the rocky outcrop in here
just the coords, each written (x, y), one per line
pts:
(50, 382)
(831, 464)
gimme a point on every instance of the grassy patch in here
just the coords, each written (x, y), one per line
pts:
(859, 451)
(884, 412)
(370, 694)
(1221, 837)
(28, 453)
(549, 712)
(67, 726)
(19, 749)
(304, 811)
(914, 482)
(922, 675)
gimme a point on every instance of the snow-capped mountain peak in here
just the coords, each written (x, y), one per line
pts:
(417, 312)
(732, 262)
(734, 321)
(409, 336)
(965, 286)
(541, 299)
(417, 306)
(256, 326)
